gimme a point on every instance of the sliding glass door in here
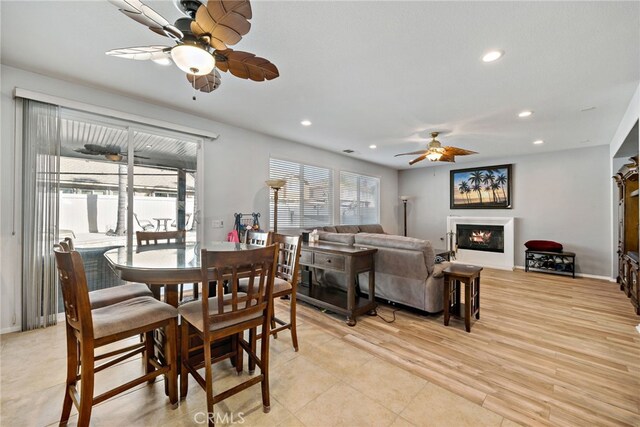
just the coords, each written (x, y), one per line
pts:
(117, 178)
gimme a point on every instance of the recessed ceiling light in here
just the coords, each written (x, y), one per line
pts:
(525, 113)
(538, 142)
(492, 55)
(149, 145)
(305, 123)
(373, 146)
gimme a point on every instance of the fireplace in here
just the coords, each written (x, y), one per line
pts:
(503, 259)
(480, 237)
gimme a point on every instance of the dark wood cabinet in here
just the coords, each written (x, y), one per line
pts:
(627, 182)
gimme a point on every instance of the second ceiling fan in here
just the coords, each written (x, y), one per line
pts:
(435, 152)
(202, 39)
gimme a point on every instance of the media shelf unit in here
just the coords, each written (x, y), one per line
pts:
(551, 262)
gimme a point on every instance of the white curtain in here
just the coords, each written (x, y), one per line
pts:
(40, 194)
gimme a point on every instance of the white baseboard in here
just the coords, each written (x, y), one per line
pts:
(586, 276)
(10, 329)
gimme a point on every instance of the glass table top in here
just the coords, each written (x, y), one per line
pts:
(168, 256)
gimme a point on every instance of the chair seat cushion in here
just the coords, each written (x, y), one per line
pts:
(192, 313)
(103, 297)
(130, 314)
(279, 285)
(543, 245)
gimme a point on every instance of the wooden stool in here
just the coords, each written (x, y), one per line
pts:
(470, 276)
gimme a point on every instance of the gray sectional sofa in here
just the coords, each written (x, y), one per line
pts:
(406, 271)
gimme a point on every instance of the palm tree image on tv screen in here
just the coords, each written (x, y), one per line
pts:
(481, 188)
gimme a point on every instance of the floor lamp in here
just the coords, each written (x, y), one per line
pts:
(275, 185)
(404, 205)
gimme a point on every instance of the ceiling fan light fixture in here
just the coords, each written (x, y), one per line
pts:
(434, 156)
(193, 59)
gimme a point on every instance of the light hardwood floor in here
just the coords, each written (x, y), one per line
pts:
(547, 350)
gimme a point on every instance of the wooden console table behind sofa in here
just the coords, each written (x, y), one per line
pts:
(350, 260)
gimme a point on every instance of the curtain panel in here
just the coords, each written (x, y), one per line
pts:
(40, 196)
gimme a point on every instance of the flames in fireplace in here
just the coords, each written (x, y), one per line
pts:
(488, 238)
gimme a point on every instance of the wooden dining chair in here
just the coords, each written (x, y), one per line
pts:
(258, 238)
(229, 315)
(107, 296)
(149, 238)
(88, 330)
(285, 285)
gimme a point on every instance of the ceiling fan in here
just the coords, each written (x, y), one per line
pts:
(435, 152)
(202, 39)
(111, 152)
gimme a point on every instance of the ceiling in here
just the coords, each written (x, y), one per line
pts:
(383, 73)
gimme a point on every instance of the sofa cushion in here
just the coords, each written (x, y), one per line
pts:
(330, 228)
(371, 228)
(399, 242)
(344, 238)
(347, 229)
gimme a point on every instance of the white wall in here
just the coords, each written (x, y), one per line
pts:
(626, 124)
(562, 196)
(236, 166)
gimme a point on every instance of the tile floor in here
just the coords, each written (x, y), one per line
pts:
(329, 382)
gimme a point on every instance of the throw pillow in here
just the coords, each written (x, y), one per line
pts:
(543, 245)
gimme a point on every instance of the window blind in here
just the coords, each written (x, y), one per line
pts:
(359, 199)
(306, 200)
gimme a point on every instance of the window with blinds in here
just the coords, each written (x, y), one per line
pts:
(359, 199)
(306, 200)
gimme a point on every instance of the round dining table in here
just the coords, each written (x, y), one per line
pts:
(165, 265)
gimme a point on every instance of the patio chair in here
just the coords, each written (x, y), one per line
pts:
(145, 224)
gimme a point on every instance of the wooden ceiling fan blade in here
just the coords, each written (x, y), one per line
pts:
(145, 15)
(447, 158)
(207, 83)
(245, 65)
(418, 159)
(455, 151)
(225, 21)
(413, 153)
(142, 53)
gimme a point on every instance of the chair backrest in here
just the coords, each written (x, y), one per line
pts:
(135, 215)
(288, 257)
(227, 268)
(160, 237)
(75, 293)
(67, 244)
(258, 238)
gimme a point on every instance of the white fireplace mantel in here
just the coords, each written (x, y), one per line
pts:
(503, 261)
